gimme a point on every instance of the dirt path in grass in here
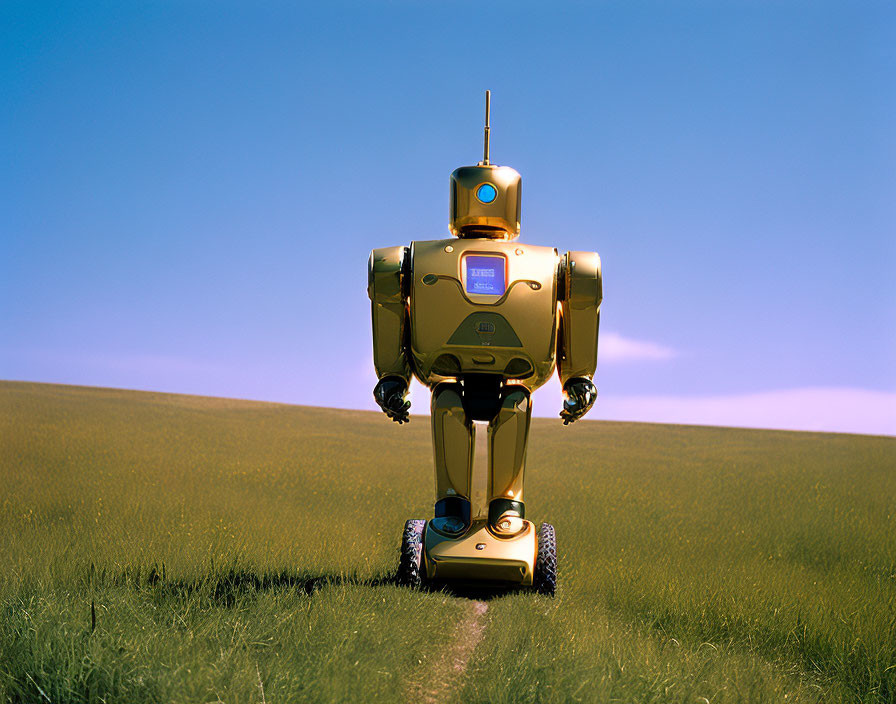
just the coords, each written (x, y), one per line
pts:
(437, 678)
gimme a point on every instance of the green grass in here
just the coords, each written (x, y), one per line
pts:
(231, 547)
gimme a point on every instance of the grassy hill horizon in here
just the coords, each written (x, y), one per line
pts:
(171, 547)
(414, 414)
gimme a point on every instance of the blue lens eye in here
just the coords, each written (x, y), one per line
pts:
(486, 193)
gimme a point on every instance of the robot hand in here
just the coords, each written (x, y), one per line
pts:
(390, 393)
(579, 395)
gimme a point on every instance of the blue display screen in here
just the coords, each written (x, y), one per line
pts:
(485, 274)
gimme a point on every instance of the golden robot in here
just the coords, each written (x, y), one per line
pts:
(482, 320)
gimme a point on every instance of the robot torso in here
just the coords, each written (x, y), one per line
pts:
(480, 306)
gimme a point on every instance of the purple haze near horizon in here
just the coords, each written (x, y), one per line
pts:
(190, 191)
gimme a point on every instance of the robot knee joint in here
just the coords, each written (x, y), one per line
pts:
(446, 396)
(516, 399)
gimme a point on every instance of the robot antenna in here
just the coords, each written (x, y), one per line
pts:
(488, 97)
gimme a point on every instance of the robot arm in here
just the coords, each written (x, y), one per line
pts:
(581, 293)
(387, 289)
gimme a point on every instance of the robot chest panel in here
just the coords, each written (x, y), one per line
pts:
(481, 306)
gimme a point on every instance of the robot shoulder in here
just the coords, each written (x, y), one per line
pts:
(581, 277)
(384, 272)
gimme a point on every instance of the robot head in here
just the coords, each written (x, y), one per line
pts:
(485, 199)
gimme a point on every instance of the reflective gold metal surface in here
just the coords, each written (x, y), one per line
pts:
(440, 321)
(501, 560)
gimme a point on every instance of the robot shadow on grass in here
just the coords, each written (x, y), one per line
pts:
(228, 587)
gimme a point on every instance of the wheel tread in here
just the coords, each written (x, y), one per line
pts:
(410, 561)
(545, 577)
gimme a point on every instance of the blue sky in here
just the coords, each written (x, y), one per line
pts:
(191, 191)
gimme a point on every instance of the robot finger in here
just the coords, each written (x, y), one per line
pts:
(571, 415)
(399, 416)
(396, 413)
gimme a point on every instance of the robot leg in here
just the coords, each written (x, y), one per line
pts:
(508, 435)
(452, 442)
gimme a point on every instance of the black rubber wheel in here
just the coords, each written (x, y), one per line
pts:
(410, 562)
(545, 579)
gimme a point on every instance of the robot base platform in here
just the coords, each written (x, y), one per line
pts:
(479, 555)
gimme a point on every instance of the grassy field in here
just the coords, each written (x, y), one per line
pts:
(243, 552)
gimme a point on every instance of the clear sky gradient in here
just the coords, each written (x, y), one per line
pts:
(190, 191)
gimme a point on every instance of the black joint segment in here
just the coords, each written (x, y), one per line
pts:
(561, 278)
(482, 396)
(455, 506)
(406, 272)
(498, 507)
